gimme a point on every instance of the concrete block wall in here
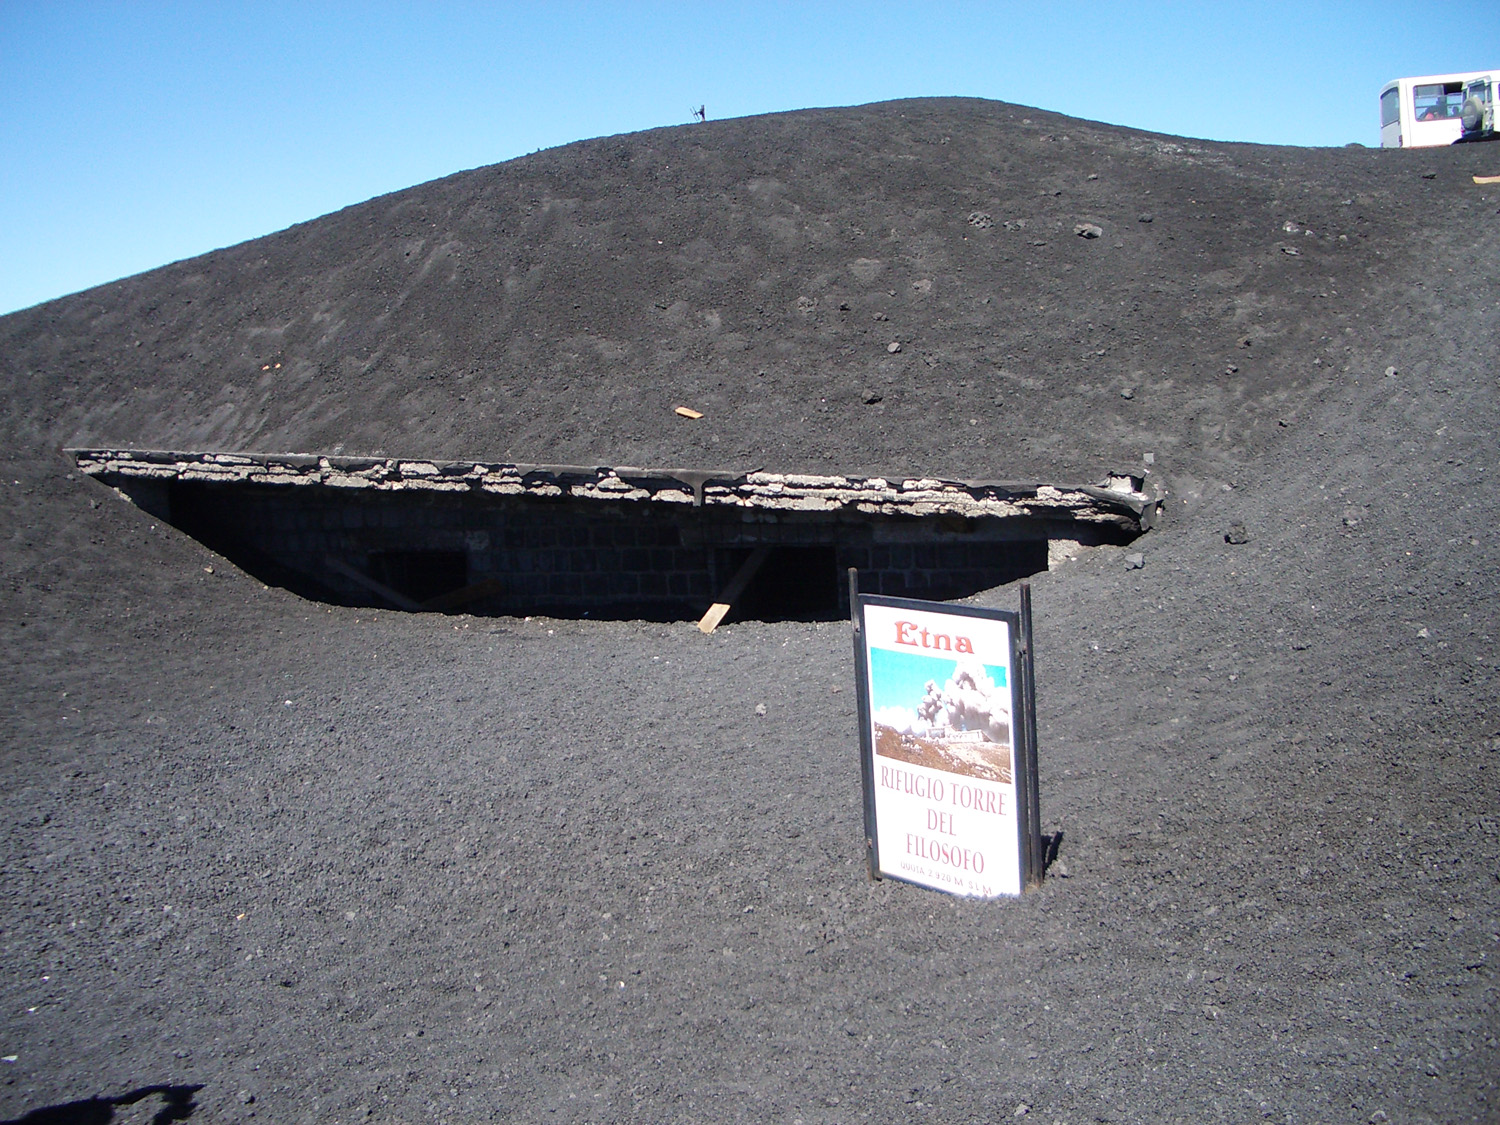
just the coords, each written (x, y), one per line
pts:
(556, 556)
(944, 569)
(568, 557)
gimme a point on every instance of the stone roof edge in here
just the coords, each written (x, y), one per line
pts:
(1120, 499)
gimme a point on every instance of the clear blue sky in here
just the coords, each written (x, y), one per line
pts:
(135, 133)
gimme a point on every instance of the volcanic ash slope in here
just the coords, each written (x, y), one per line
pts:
(337, 864)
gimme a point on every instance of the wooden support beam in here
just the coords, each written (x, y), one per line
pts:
(735, 588)
(397, 599)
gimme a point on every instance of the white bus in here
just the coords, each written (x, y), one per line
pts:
(1418, 112)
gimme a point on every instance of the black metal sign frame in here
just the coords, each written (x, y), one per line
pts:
(957, 795)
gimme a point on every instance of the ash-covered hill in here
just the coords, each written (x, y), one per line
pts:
(557, 307)
(302, 862)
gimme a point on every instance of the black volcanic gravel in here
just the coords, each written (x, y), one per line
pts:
(343, 865)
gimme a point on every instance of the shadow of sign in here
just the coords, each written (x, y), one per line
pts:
(176, 1105)
(1051, 845)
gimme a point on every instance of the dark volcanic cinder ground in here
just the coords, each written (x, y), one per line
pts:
(344, 865)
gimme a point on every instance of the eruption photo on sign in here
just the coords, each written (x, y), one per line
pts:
(950, 715)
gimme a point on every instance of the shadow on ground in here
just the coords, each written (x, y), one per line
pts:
(176, 1105)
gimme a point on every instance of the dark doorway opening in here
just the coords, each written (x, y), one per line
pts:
(792, 584)
(420, 575)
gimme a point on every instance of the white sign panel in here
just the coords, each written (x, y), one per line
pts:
(941, 746)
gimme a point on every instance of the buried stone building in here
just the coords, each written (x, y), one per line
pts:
(572, 541)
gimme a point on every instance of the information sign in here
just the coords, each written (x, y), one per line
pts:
(948, 754)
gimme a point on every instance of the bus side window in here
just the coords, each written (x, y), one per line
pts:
(1433, 103)
(1425, 100)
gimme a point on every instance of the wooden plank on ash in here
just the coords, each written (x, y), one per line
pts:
(735, 588)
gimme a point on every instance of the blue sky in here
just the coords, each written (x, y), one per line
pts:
(137, 133)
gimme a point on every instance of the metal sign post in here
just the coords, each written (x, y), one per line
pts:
(946, 702)
(1035, 851)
